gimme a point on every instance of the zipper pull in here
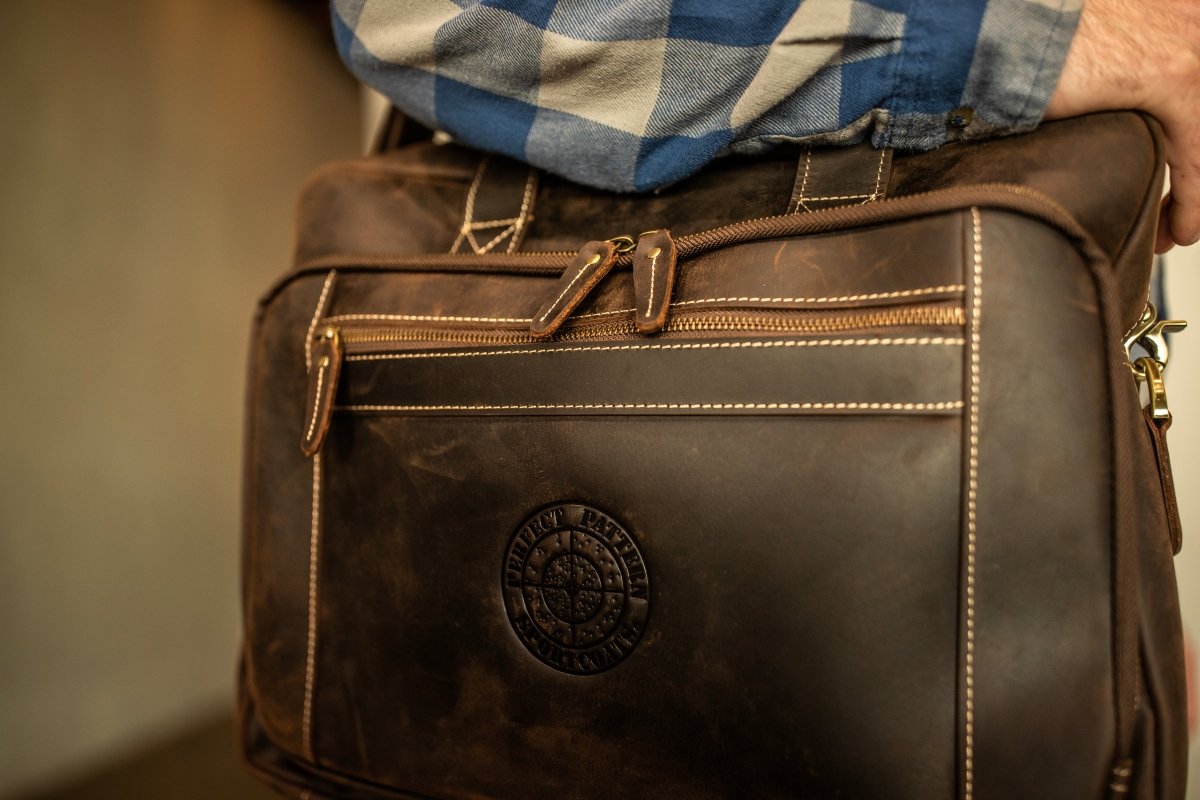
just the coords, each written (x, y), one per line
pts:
(322, 388)
(653, 279)
(1150, 333)
(1158, 419)
(588, 268)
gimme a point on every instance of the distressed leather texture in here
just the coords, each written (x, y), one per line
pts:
(884, 466)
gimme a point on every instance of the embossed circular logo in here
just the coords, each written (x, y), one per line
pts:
(576, 588)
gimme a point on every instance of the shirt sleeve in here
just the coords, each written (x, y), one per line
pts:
(632, 96)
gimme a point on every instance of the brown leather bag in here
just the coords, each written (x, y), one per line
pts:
(835, 482)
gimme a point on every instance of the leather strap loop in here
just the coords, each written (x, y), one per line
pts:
(498, 208)
(840, 176)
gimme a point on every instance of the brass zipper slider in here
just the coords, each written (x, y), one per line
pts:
(587, 269)
(322, 388)
(653, 279)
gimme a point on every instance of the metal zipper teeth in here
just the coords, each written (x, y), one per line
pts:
(997, 195)
(767, 322)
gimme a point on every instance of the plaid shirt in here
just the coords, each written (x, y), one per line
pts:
(636, 94)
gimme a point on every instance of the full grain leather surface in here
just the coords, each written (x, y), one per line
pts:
(883, 599)
(729, 375)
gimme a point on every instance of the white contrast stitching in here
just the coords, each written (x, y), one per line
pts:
(310, 659)
(492, 223)
(312, 425)
(653, 268)
(843, 299)
(804, 182)
(422, 318)
(317, 312)
(554, 305)
(801, 201)
(499, 237)
(841, 197)
(941, 406)
(512, 226)
(885, 342)
(1133, 327)
(972, 496)
(878, 177)
(464, 230)
(527, 320)
(523, 214)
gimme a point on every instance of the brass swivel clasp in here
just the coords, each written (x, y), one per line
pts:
(1150, 334)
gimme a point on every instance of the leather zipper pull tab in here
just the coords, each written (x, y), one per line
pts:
(322, 388)
(1158, 419)
(1158, 437)
(653, 279)
(588, 268)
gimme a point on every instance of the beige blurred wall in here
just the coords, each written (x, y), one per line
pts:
(1183, 391)
(151, 151)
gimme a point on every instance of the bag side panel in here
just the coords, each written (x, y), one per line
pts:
(1038, 714)
(279, 484)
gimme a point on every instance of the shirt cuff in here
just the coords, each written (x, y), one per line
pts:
(1016, 60)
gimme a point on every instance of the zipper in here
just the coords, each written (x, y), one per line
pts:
(894, 209)
(758, 321)
(332, 343)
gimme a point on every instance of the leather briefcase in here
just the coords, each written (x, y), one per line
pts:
(821, 474)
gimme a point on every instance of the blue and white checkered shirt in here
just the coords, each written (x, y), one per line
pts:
(636, 94)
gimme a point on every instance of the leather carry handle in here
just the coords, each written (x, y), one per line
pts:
(499, 203)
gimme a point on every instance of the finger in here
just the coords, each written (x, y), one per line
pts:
(1184, 213)
(1162, 237)
(1183, 157)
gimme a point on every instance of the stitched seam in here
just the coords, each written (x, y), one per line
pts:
(843, 299)
(317, 312)
(804, 180)
(1131, 328)
(682, 346)
(972, 496)
(312, 425)
(469, 209)
(498, 238)
(491, 223)
(471, 240)
(523, 214)
(526, 320)
(554, 305)
(422, 318)
(849, 406)
(653, 269)
(840, 197)
(310, 658)
(878, 177)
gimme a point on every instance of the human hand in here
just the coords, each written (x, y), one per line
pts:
(1144, 54)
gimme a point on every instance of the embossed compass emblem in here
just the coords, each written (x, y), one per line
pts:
(576, 588)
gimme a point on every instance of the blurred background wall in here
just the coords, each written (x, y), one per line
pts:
(1183, 291)
(151, 153)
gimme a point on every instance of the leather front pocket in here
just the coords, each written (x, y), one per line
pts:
(799, 578)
